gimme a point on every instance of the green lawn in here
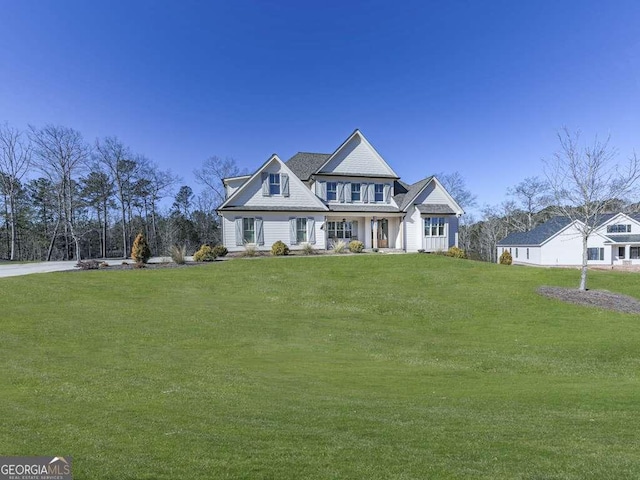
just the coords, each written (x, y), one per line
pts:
(364, 367)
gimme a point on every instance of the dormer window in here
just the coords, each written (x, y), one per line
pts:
(619, 228)
(274, 184)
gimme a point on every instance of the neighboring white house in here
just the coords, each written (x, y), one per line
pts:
(616, 241)
(350, 194)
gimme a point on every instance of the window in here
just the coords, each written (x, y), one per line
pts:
(355, 192)
(634, 252)
(248, 230)
(621, 252)
(527, 254)
(379, 192)
(619, 228)
(339, 229)
(301, 230)
(595, 253)
(516, 252)
(274, 184)
(434, 227)
(332, 191)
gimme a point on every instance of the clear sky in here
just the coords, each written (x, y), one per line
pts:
(480, 87)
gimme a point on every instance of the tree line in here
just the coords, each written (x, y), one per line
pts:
(64, 198)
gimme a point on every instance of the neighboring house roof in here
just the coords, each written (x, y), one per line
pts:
(623, 238)
(538, 235)
(435, 208)
(305, 164)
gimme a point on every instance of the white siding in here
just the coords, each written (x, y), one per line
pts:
(276, 227)
(299, 194)
(232, 185)
(414, 232)
(433, 194)
(357, 158)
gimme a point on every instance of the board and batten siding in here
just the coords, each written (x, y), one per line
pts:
(357, 158)
(275, 227)
(416, 240)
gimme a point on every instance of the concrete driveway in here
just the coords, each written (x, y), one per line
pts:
(16, 269)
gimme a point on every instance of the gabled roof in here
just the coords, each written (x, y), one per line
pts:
(305, 164)
(412, 192)
(228, 203)
(538, 235)
(358, 133)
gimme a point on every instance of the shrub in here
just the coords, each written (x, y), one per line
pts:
(88, 265)
(421, 250)
(279, 249)
(456, 252)
(178, 253)
(339, 246)
(505, 258)
(205, 254)
(140, 250)
(220, 250)
(356, 246)
(250, 250)
(307, 249)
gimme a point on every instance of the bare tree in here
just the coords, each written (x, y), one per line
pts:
(213, 170)
(531, 195)
(61, 154)
(15, 159)
(457, 188)
(582, 179)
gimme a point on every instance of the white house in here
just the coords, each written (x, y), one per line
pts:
(350, 194)
(616, 241)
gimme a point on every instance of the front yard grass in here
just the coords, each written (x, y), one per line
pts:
(380, 367)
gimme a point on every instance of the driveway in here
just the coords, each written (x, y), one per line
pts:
(16, 269)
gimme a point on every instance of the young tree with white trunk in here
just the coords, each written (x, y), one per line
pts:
(582, 178)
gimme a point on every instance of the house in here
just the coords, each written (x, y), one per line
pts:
(350, 194)
(558, 242)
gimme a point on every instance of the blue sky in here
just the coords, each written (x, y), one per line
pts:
(480, 87)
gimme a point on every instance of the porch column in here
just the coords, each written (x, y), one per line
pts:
(627, 252)
(375, 232)
(367, 232)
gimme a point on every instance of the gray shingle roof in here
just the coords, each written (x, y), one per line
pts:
(435, 208)
(412, 192)
(305, 164)
(624, 238)
(362, 208)
(539, 234)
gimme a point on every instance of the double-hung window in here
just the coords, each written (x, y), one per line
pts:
(248, 230)
(332, 191)
(355, 192)
(301, 230)
(619, 228)
(339, 229)
(595, 253)
(379, 192)
(434, 227)
(274, 184)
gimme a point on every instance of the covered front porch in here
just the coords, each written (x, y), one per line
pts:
(625, 253)
(376, 231)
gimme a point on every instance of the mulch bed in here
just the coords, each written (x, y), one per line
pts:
(593, 298)
(113, 265)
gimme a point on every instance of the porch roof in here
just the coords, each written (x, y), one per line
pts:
(363, 208)
(623, 239)
(435, 208)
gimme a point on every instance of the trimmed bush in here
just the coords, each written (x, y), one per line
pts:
(178, 253)
(506, 258)
(279, 249)
(205, 254)
(456, 252)
(88, 265)
(220, 251)
(339, 246)
(356, 246)
(140, 251)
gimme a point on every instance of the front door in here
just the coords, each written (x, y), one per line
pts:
(383, 233)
